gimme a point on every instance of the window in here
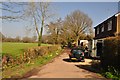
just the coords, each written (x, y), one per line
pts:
(102, 29)
(109, 25)
(98, 30)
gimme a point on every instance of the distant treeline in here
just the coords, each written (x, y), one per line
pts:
(18, 39)
(49, 39)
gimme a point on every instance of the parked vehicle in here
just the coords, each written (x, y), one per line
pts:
(77, 53)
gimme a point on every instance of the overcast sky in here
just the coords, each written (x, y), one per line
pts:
(97, 11)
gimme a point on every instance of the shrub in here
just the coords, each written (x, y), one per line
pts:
(29, 54)
(112, 73)
(111, 53)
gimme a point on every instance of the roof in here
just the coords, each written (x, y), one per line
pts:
(108, 19)
(117, 14)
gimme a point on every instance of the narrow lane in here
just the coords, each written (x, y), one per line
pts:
(61, 67)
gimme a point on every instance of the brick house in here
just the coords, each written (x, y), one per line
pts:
(108, 28)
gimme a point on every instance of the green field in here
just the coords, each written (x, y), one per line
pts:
(15, 48)
(19, 70)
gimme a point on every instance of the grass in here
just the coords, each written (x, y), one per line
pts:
(15, 48)
(20, 70)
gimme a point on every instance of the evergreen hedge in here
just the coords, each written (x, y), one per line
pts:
(111, 53)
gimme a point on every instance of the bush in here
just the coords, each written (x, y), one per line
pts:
(29, 54)
(111, 53)
(111, 57)
(112, 73)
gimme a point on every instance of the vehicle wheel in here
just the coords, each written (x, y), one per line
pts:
(79, 60)
(70, 57)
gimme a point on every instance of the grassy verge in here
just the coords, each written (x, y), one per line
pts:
(19, 71)
(16, 48)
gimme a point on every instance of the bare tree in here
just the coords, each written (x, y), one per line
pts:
(77, 24)
(14, 10)
(27, 39)
(17, 39)
(39, 13)
(2, 37)
(54, 30)
(34, 38)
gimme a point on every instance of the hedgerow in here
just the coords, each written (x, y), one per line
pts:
(28, 55)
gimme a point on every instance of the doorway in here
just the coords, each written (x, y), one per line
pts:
(99, 48)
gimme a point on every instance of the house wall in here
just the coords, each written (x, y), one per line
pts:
(118, 23)
(106, 33)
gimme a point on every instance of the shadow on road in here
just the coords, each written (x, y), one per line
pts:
(69, 60)
(31, 72)
(85, 66)
(88, 68)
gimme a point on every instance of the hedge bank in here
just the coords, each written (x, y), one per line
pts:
(28, 56)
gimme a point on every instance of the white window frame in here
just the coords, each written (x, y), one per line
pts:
(102, 29)
(109, 25)
(98, 31)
